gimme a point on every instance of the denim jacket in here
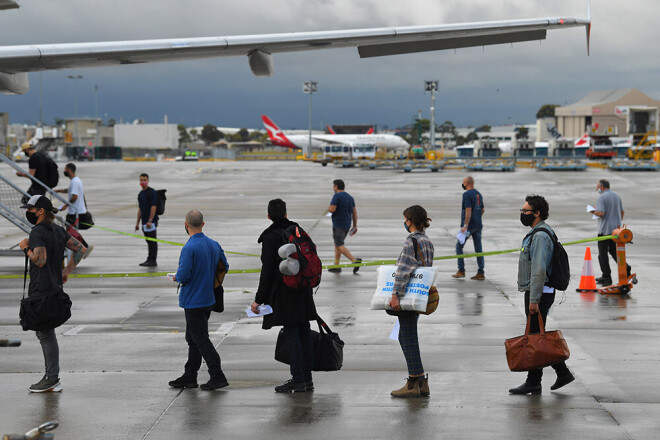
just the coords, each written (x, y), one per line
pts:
(535, 262)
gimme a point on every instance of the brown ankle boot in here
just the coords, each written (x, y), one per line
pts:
(424, 390)
(410, 389)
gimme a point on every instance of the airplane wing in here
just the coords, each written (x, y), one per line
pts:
(16, 61)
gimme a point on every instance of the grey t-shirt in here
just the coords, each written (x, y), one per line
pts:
(610, 204)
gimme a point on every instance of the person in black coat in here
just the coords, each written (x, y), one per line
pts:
(292, 308)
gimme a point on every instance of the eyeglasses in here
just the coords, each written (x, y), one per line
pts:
(526, 210)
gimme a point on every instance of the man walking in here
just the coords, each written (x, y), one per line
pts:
(534, 266)
(45, 249)
(292, 308)
(342, 207)
(76, 206)
(37, 167)
(609, 210)
(197, 266)
(147, 205)
(472, 210)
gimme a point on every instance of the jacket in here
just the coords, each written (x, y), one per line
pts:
(535, 262)
(290, 306)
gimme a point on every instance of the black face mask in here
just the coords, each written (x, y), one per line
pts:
(187, 233)
(526, 219)
(31, 217)
(66, 174)
(463, 185)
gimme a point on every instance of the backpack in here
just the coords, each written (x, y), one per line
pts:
(52, 176)
(561, 271)
(309, 274)
(160, 204)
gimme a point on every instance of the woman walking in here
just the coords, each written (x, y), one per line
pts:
(417, 251)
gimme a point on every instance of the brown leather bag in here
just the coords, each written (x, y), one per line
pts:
(531, 352)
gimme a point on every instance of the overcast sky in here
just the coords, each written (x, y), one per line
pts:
(495, 85)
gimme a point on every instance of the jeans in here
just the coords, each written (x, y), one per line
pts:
(605, 247)
(410, 342)
(476, 238)
(51, 351)
(199, 344)
(547, 299)
(300, 343)
(151, 245)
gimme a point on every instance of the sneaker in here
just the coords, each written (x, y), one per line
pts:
(184, 382)
(410, 389)
(149, 264)
(335, 270)
(88, 251)
(479, 276)
(309, 385)
(459, 274)
(46, 385)
(291, 387)
(424, 390)
(215, 384)
(356, 268)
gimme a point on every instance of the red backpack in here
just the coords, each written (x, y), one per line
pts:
(310, 263)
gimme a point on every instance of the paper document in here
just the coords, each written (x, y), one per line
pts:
(352, 231)
(329, 214)
(264, 309)
(394, 334)
(170, 276)
(462, 236)
(592, 209)
(151, 229)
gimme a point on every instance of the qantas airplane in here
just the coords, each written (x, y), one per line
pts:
(17, 61)
(277, 137)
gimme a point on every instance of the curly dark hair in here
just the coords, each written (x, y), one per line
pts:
(418, 216)
(538, 203)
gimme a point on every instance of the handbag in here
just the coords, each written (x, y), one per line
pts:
(85, 221)
(535, 351)
(43, 311)
(328, 349)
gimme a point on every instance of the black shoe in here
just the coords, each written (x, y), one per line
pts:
(184, 382)
(526, 388)
(335, 270)
(149, 264)
(309, 385)
(604, 281)
(562, 380)
(215, 384)
(356, 268)
(291, 387)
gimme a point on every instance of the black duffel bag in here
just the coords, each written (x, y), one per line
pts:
(85, 221)
(44, 311)
(328, 349)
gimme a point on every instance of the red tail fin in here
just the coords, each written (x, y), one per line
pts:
(371, 131)
(275, 134)
(330, 130)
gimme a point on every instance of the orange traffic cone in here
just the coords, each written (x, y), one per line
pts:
(588, 280)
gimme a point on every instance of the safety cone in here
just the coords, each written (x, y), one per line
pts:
(588, 280)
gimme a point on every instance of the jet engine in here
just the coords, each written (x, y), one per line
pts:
(14, 83)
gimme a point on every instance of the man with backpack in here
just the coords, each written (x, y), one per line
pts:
(535, 275)
(293, 307)
(41, 167)
(147, 213)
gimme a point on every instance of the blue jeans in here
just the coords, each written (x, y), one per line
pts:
(476, 238)
(301, 351)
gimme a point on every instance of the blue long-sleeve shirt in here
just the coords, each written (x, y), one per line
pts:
(197, 265)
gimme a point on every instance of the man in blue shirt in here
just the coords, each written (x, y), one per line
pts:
(147, 205)
(197, 266)
(342, 207)
(472, 209)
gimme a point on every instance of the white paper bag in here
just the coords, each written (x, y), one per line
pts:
(417, 289)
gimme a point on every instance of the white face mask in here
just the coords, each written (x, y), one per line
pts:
(599, 190)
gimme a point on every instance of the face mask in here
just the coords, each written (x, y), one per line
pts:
(405, 225)
(463, 185)
(66, 174)
(599, 190)
(526, 219)
(187, 233)
(144, 184)
(31, 217)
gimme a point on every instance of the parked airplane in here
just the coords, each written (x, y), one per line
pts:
(17, 61)
(277, 137)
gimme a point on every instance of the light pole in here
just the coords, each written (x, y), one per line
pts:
(432, 86)
(310, 87)
(75, 108)
(96, 114)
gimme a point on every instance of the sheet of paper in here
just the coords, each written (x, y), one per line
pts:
(151, 229)
(592, 209)
(329, 214)
(170, 276)
(461, 237)
(394, 334)
(264, 309)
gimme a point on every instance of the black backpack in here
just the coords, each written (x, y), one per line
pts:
(160, 204)
(561, 271)
(52, 176)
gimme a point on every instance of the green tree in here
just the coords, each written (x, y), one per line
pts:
(471, 136)
(59, 121)
(421, 126)
(447, 127)
(483, 129)
(210, 134)
(546, 111)
(521, 132)
(183, 134)
(460, 140)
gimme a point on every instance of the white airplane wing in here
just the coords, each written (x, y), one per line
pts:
(16, 61)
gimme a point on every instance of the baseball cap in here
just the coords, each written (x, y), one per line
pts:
(39, 201)
(26, 146)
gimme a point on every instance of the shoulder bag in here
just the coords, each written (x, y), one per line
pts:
(531, 352)
(328, 349)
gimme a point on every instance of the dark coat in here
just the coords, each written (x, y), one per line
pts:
(290, 306)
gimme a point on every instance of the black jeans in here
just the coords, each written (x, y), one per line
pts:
(301, 351)
(199, 344)
(547, 299)
(152, 246)
(605, 247)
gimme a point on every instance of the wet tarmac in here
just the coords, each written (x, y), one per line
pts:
(125, 340)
